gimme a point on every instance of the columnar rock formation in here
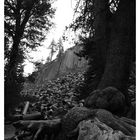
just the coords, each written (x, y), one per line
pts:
(68, 62)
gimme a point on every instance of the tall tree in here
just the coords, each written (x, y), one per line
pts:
(26, 24)
(110, 44)
(53, 48)
(60, 53)
(60, 48)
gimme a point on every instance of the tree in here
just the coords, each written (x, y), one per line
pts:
(60, 48)
(53, 48)
(26, 24)
(32, 77)
(60, 53)
(110, 44)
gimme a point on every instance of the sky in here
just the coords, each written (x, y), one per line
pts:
(63, 17)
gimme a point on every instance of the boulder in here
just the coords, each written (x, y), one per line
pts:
(96, 130)
(81, 123)
(109, 98)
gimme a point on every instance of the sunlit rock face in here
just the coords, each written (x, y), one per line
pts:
(68, 62)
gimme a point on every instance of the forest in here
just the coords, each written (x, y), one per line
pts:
(92, 93)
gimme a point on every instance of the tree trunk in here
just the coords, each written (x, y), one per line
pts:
(98, 46)
(118, 57)
(12, 85)
(10, 79)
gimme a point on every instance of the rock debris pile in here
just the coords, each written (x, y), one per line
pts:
(56, 97)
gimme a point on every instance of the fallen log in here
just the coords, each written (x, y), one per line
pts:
(34, 116)
(39, 128)
(34, 125)
(26, 108)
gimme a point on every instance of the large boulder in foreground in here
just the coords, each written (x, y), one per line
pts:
(96, 130)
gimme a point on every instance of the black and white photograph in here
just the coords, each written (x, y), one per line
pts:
(69, 69)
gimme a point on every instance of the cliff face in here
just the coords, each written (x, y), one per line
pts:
(68, 62)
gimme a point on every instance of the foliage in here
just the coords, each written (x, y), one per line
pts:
(54, 99)
(26, 24)
(31, 77)
(85, 16)
(84, 12)
(85, 22)
(56, 96)
(13, 84)
(33, 21)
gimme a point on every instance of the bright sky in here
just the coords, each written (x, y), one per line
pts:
(63, 17)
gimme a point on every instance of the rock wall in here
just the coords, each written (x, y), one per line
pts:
(68, 62)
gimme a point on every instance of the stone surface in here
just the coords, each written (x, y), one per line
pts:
(96, 130)
(109, 98)
(78, 114)
(81, 123)
(69, 62)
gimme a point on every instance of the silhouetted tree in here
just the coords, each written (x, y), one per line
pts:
(26, 24)
(60, 48)
(108, 29)
(53, 48)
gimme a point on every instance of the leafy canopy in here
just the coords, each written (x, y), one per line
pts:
(29, 20)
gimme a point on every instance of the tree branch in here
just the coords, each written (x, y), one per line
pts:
(25, 20)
